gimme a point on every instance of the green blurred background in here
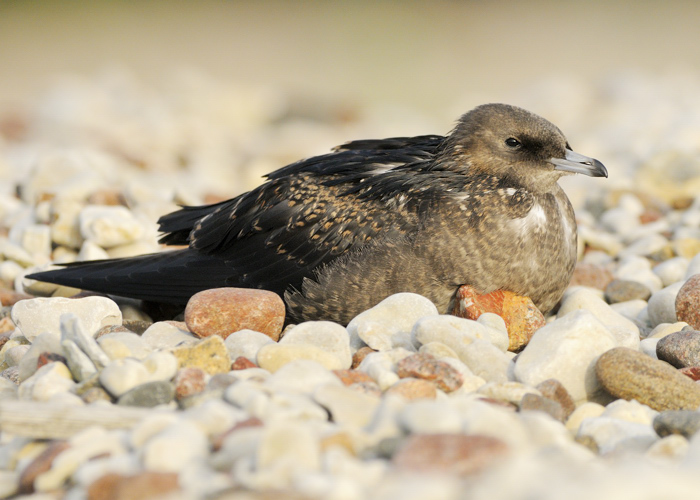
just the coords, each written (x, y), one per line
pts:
(428, 55)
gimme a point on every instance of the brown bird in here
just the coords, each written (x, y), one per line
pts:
(335, 234)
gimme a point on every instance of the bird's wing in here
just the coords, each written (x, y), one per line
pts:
(306, 214)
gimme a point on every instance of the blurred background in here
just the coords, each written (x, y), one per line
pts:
(233, 89)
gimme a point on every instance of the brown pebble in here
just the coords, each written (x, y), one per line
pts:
(6, 327)
(693, 372)
(138, 326)
(688, 302)
(142, 486)
(520, 314)
(553, 389)
(242, 363)
(40, 464)
(426, 367)
(189, 380)
(222, 311)
(10, 297)
(535, 402)
(361, 354)
(629, 374)
(49, 357)
(449, 453)
(349, 377)
(413, 388)
(591, 275)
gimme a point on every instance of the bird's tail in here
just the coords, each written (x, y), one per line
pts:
(166, 277)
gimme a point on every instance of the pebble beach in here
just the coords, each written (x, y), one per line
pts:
(99, 399)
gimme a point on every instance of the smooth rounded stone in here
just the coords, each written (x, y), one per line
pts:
(625, 290)
(687, 302)
(209, 354)
(161, 365)
(615, 435)
(663, 329)
(644, 246)
(430, 417)
(139, 484)
(44, 343)
(36, 239)
(73, 331)
(14, 355)
(683, 422)
(118, 345)
(591, 275)
(326, 335)
(222, 311)
(48, 380)
(671, 270)
(451, 453)
(566, 350)
(149, 394)
(287, 449)
(189, 381)
(693, 267)
(413, 388)
(624, 330)
(65, 229)
(662, 305)
(132, 249)
(175, 447)
(215, 417)
(485, 360)
(454, 332)
(600, 240)
(437, 350)
(673, 447)
(301, 376)
(94, 394)
(635, 268)
(555, 390)
(39, 315)
(648, 347)
(80, 365)
(680, 349)
(629, 374)
(272, 357)
(520, 314)
(425, 367)
(631, 411)
(512, 392)
(345, 405)
(246, 343)
(166, 334)
(389, 324)
(582, 412)
(109, 226)
(123, 375)
(90, 250)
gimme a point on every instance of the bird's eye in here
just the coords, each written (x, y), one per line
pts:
(513, 143)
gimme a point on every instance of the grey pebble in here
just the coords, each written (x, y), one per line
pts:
(623, 290)
(681, 349)
(148, 395)
(683, 422)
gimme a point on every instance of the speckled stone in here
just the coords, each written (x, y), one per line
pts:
(683, 422)
(148, 395)
(591, 275)
(623, 290)
(425, 367)
(209, 354)
(629, 374)
(681, 349)
(449, 453)
(222, 311)
(688, 302)
(520, 314)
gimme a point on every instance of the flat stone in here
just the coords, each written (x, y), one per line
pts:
(624, 290)
(566, 350)
(683, 422)
(326, 335)
(149, 394)
(425, 367)
(39, 315)
(209, 354)
(222, 311)
(629, 374)
(680, 349)
(449, 453)
(520, 314)
(389, 323)
(687, 305)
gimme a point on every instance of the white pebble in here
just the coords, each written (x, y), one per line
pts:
(123, 374)
(174, 448)
(671, 270)
(246, 343)
(662, 305)
(326, 335)
(430, 417)
(48, 380)
(165, 334)
(347, 406)
(109, 226)
(457, 333)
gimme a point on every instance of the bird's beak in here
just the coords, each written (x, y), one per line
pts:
(579, 164)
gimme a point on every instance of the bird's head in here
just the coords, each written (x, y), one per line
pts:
(514, 144)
